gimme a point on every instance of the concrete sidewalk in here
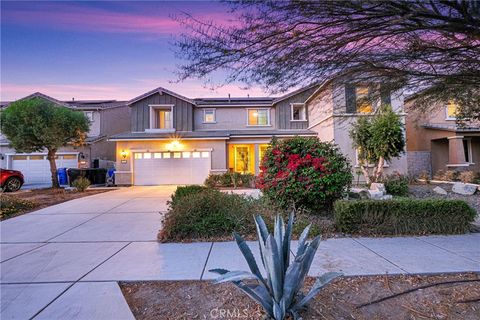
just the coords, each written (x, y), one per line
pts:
(63, 262)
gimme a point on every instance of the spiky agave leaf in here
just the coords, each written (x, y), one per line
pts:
(247, 254)
(286, 241)
(235, 276)
(302, 241)
(262, 233)
(306, 260)
(274, 268)
(278, 233)
(291, 282)
(321, 282)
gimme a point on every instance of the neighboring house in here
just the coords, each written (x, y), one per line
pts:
(435, 141)
(107, 117)
(177, 140)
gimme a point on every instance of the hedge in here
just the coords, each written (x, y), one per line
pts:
(403, 216)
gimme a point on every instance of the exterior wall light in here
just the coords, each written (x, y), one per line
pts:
(124, 154)
(174, 145)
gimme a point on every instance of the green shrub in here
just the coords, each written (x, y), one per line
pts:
(184, 191)
(209, 213)
(10, 205)
(231, 179)
(304, 172)
(81, 184)
(396, 184)
(403, 216)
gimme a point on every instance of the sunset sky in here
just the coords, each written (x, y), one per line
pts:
(98, 50)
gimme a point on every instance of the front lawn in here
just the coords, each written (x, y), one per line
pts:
(18, 203)
(345, 298)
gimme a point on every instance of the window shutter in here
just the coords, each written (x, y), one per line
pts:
(385, 96)
(350, 98)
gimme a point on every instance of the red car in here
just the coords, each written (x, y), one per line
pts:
(11, 180)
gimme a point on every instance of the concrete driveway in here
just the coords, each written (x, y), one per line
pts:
(63, 262)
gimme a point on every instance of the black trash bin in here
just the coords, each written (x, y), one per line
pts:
(96, 176)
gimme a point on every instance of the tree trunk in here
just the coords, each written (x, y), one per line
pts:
(53, 167)
(366, 174)
(379, 169)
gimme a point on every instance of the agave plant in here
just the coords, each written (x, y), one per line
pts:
(280, 293)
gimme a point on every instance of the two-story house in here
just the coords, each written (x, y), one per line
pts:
(107, 117)
(435, 141)
(178, 140)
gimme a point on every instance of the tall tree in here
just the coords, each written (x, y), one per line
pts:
(431, 47)
(377, 139)
(36, 124)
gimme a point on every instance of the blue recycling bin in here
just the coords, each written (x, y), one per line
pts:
(62, 176)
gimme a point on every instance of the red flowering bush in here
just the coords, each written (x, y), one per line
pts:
(304, 172)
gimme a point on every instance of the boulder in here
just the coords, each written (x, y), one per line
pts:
(358, 193)
(440, 190)
(378, 187)
(465, 189)
(375, 194)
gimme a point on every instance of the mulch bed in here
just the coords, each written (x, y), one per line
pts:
(345, 298)
(43, 198)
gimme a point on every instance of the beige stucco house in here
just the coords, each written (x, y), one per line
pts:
(107, 117)
(435, 141)
(178, 140)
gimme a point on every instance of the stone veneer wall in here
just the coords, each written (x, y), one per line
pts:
(418, 162)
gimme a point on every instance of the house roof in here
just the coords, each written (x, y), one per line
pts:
(452, 127)
(218, 134)
(160, 91)
(234, 102)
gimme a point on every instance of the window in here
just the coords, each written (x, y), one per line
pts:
(157, 155)
(19, 158)
(166, 155)
(298, 112)
(186, 154)
(163, 119)
(209, 115)
(69, 157)
(138, 156)
(363, 101)
(36, 157)
(196, 154)
(177, 155)
(258, 117)
(147, 155)
(205, 154)
(467, 149)
(451, 110)
(89, 115)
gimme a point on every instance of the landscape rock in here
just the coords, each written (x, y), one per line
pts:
(358, 193)
(375, 194)
(440, 190)
(465, 189)
(387, 197)
(378, 187)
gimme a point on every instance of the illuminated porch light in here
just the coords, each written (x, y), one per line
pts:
(124, 154)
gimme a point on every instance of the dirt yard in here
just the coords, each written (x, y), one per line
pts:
(38, 199)
(345, 298)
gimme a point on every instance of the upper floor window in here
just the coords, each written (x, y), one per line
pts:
(258, 117)
(298, 112)
(209, 116)
(89, 115)
(161, 117)
(451, 111)
(363, 101)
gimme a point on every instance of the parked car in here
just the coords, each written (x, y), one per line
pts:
(11, 180)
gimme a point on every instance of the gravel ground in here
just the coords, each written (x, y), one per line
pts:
(422, 191)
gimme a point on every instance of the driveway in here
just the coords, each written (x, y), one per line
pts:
(63, 262)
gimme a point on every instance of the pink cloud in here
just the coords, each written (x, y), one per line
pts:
(190, 89)
(82, 18)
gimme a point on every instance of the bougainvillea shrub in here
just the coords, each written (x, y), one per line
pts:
(304, 172)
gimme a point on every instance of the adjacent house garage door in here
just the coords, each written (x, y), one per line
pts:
(36, 168)
(155, 168)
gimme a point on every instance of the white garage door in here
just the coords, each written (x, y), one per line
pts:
(36, 168)
(155, 168)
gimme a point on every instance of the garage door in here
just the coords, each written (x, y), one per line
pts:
(36, 168)
(155, 168)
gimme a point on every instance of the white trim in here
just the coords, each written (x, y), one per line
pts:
(159, 130)
(468, 164)
(214, 115)
(241, 105)
(269, 124)
(152, 109)
(298, 104)
(132, 150)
